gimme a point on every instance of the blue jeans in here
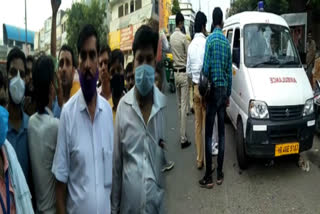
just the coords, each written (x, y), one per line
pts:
(216, 104)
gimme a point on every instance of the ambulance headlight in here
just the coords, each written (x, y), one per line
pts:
(258, 110)
(308, 108)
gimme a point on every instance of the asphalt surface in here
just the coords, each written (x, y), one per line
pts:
(281, 188)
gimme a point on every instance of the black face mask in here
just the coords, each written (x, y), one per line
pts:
(117, 88)
(117, 85)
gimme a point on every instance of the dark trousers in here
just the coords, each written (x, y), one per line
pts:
(216, 104)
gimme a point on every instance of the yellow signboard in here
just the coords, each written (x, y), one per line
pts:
(114, 40)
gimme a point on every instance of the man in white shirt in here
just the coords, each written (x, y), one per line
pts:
(42, 136)
(83, 160)
(195, 58)
(194, 66)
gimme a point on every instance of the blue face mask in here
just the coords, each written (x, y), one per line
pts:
(144, 79)
(4, 117)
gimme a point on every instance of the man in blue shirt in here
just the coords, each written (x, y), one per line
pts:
(18, 120)
(218, 67)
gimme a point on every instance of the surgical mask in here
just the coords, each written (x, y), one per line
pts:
(4, 117)
(17, 89)
(144, 78)
(88, 86)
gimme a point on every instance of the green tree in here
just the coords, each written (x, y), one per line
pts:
(277, 6)
(80, 15)
(175, 7)
(241, 6)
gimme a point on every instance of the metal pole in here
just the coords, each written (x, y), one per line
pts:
(199, 5)
(25, 6)
(209, 14)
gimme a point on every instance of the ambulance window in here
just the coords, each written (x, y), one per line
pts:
(236, 42)
(236, 48)
(229, 35)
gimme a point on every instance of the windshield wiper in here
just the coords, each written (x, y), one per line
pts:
(289, 63)
(270, 62)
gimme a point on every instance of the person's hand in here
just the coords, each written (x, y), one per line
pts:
(228, 102)
(162, 145)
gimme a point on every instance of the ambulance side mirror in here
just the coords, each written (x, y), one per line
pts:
(236, 56)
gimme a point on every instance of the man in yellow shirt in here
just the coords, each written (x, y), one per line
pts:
(66, 71)
(68, 80)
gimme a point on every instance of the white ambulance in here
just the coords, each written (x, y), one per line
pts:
(271, 105)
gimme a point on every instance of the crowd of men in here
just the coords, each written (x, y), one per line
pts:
(90, 137)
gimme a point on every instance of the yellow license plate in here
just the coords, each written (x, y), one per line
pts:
(286, 149)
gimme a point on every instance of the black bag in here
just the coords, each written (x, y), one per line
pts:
(204, 84)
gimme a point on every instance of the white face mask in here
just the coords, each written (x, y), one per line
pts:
(17, 88)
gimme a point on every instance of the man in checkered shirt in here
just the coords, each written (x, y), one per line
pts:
(217, 67)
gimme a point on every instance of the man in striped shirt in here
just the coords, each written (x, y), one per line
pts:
(217, 67)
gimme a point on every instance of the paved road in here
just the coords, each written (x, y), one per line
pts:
(282, 188)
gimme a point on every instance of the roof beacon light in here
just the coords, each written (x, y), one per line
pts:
(260, 6)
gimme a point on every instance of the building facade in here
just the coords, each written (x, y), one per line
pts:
(186, 9)
(189, 17)
(127, 16)
(42, 38)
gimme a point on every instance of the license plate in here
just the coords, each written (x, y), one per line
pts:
(286, 149)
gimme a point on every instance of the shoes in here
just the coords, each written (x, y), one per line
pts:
(215, 150)
(220, 178)
(206, 182)
(185, 144)
(200, 165)
(168, 167)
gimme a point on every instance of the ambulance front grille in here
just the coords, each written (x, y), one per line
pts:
(278, 113)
